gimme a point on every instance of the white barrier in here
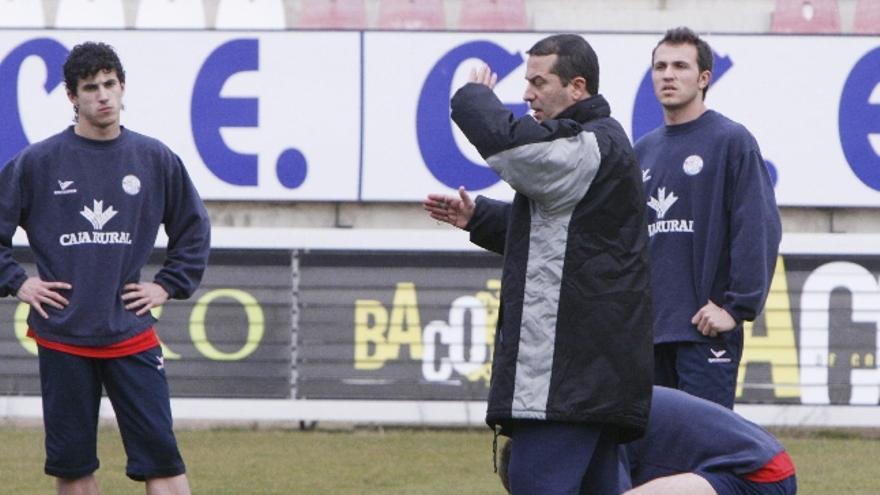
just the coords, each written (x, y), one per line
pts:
(423, 413)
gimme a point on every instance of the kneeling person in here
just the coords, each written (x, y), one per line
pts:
(696, 447)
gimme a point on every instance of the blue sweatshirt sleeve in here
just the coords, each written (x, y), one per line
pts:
(755, 233)
(189, 235)
(12, 275)
(488, 225)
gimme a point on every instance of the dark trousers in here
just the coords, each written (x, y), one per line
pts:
(551, 458)
(705, 370)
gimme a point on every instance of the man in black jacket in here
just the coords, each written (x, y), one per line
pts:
(572, 368)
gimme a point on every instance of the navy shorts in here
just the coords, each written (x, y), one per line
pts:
(138, 390)
(553, 458)
(705, 370)
(731, 484)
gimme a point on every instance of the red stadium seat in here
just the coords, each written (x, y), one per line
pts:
(411, 14)
(805, 16)
(493, 15)
(332, 14)
(867, 17)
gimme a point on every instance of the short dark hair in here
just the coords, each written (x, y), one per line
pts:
(686, 36)
(575, 58)
(86, 60)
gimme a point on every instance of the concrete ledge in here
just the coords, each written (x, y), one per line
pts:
(420, 413)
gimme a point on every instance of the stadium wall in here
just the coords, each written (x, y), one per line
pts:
(295, 325)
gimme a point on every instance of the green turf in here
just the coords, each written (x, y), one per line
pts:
(393, 461)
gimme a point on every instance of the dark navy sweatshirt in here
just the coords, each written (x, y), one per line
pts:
(92, 211)
(713, 223)
(687, 434)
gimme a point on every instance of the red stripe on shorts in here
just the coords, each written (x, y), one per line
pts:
(779, 468)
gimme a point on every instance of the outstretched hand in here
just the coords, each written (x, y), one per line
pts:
(484, 76)
(712, 319)
(36, 292)
(145, 296)
(453, 210)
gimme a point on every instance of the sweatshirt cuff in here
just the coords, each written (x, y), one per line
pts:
(737, 317)
(169, 289)
(16, 283)
(478, 202)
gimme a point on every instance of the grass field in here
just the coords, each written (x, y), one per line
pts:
(390, 461)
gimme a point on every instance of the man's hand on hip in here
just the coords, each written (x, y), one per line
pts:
(144, 296)
(36, 293)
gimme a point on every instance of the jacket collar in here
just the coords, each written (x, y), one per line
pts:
(592, 108)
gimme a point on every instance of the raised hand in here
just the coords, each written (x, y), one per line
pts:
(453, 210)
(484, 76)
